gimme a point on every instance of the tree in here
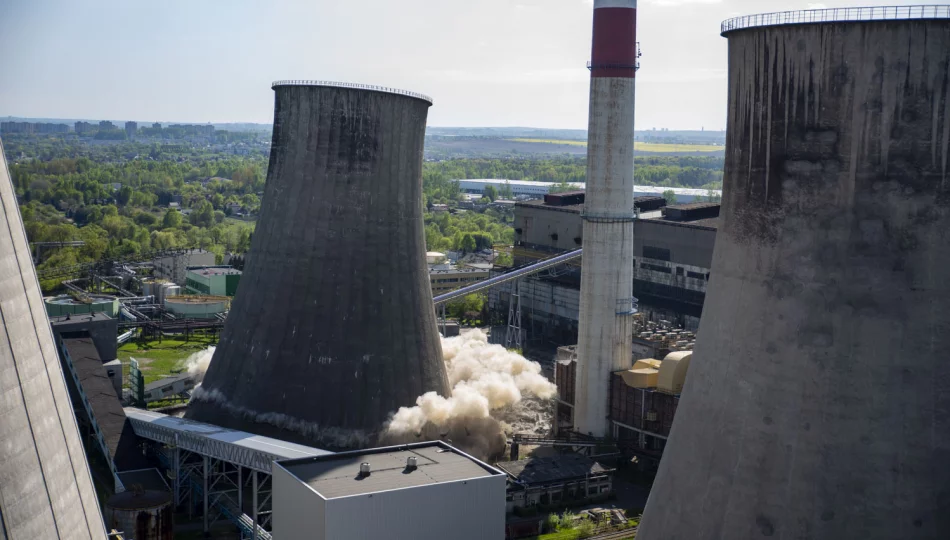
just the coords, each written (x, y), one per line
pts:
(670, 197)
(145, 219)
(467, 243)
(491, 192)
(203, 215)
(172, 219)
(505, 191)
(124, 195)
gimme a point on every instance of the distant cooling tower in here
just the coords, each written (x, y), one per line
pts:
(45, 487)
(817, 404)
(333, 326)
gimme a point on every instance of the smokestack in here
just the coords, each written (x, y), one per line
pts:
(46, 490)
(332, 328)
(607, 304)
(818, 401)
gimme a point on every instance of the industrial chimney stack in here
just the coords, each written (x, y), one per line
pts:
(607, 302)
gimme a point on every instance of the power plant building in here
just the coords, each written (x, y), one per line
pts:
(46, 489)
(423, 491)
(818, 401)
(671, 264)
(333, 327)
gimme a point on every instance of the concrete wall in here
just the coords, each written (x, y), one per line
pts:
(539, 223)
(688, 244)
(463, 510)
(46, 490)
(818, 401)
(332, 328)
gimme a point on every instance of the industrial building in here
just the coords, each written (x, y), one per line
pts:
(818, 402)
(671, 264)
(537, 190)
(326, 361)
(553, 480)
(446, 277)
(423, 491)
(46, 485)
(174, 267)
(212, 280)
(643, 394)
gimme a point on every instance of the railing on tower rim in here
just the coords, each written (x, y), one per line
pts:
(877, 13)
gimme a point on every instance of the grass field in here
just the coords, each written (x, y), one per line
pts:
(642, 146)
(158, 360)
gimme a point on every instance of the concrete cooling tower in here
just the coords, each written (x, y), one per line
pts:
(817, 404)
(333, 327)
(46, 490)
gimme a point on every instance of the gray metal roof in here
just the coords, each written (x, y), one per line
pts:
(338, 475)
(238, 447)
(552, 469)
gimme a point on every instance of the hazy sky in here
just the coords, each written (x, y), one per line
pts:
(485, 62)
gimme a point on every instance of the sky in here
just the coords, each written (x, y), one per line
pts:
(485, 62)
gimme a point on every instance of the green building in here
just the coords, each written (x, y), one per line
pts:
(212, 281)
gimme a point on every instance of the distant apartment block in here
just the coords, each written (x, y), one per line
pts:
(130, 129)
(196, 130)
(106, 125)
(30, 128)
(16, 127)
(85, 127)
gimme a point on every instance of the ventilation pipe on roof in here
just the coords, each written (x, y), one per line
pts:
(364, 469)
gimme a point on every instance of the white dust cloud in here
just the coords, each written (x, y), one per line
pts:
(197, 364)
(494, 392)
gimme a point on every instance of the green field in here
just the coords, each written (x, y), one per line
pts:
(642, 146)
(160, 359)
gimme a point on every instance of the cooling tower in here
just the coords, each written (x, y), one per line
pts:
(46, 490)
(605, 331)
(333, 326)
(817, 404)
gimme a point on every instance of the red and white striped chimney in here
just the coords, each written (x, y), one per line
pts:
(607, 303)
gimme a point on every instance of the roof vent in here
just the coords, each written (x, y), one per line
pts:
(411, 462)
(364, 469)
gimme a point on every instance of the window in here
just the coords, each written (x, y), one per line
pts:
(592, 491)
(679, 270)
(695, 275)
(660, 254)
(656, 268)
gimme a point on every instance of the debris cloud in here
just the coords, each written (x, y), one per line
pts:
(494, 392)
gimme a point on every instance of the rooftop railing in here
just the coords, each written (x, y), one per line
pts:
(879, 13)
(356, 86)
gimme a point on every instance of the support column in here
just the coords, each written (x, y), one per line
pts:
(240, 490)
(254, 502)
(205, 490)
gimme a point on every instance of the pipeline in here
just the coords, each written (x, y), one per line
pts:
(510, 276)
